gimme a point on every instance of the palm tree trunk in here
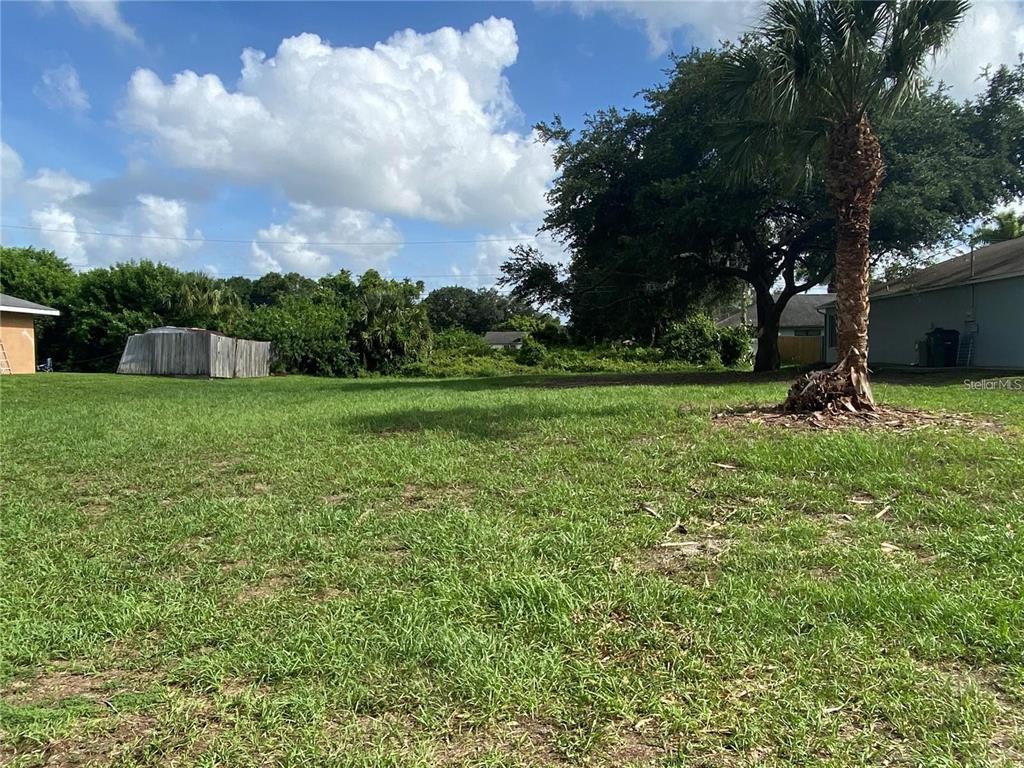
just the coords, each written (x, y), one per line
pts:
(853, 175)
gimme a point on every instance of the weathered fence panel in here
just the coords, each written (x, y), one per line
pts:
(194, 352)
(180, 354)
(136, 358)
(800, 350)
(222, 356)
(252, 358)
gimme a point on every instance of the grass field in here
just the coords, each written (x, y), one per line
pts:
(416, 573)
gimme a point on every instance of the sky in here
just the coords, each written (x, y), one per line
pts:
(240, 138)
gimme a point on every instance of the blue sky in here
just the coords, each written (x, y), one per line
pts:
(360, 132)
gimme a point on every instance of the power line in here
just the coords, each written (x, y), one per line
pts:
(446, 275)
(224, 240)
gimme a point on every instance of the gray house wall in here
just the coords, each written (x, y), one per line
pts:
(993, 310)
(1000, 312)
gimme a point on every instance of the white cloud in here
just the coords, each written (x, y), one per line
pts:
(60, 88)
(162, 224)
(56, 186)
(105, 14)
(492, 250)
(315, 241)
(11, 171)
(706, 22)
(991, 34)
(61, 234)
(149, 227)
(416, 126)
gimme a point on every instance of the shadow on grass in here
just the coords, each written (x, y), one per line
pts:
(889, 375)
(566, 381)
(490, 422)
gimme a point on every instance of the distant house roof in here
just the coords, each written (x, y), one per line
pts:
(801, 312)
(20, 306)
(993, 262)
(504, 337)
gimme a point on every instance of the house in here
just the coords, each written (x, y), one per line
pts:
(800, 317)
(504, 339)
(977, 299)
(801, 327)
(173, 351)
(18, 333)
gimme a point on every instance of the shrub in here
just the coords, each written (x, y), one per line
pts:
(448, 364)
(544, 328)
(456, 339)
(305, 337)
(734, 345)
(531, 353)
(694, 340)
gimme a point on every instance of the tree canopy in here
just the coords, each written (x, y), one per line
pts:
(657, 225)
(331, 326)
(477, 311)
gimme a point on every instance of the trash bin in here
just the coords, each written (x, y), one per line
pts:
(923, 349)
(942, 346)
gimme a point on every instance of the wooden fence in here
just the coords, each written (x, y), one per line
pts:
(194, 353)
(800, 350)
(252, 358)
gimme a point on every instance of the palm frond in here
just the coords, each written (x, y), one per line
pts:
(812, 63)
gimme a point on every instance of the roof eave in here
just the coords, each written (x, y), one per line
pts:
(27, 311)
(932, 289)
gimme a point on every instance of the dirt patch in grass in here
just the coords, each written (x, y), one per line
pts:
(390, 551)
(63, 682)
(529, 740)
(113, 737)
(105, 746)
(693, 562)
(270, 587)
(234, 565)
(883, 418)
(94, 507)
(417, 496)
(396, 732)
(1006, 741)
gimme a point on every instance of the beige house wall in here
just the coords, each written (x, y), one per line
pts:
(18, 333)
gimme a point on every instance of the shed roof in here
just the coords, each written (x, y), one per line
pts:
(503, 337)
(20, 306)
(179, 329)
(801, 312)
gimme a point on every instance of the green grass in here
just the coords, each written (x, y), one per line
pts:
(412, 573)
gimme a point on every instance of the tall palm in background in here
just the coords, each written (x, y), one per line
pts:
(1003, 226)
(807, 85)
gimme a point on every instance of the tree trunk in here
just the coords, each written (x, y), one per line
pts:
(854, 174)
(767, 357)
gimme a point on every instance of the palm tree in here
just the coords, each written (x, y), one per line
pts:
(808, 82)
